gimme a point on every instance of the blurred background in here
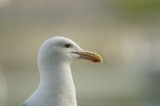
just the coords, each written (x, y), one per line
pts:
(126, 33)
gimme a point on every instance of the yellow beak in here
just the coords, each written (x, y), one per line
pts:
(94, 57)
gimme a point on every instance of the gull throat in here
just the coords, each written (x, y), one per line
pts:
(56, 79)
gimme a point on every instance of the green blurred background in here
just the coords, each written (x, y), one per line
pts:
(126, 33)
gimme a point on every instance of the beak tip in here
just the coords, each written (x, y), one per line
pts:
(97, 60)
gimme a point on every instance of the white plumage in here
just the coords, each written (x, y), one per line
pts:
(56, 86)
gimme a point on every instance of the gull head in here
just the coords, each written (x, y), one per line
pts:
(56, 84)
(58, 49)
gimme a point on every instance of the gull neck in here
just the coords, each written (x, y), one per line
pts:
(56, 83)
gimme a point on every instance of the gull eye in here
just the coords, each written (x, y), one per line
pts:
(67, 45)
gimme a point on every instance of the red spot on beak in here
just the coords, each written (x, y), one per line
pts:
(95, 60)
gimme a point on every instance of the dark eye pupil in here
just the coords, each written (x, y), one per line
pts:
(67, 45)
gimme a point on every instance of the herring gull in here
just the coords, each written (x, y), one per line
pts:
(56, 86)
